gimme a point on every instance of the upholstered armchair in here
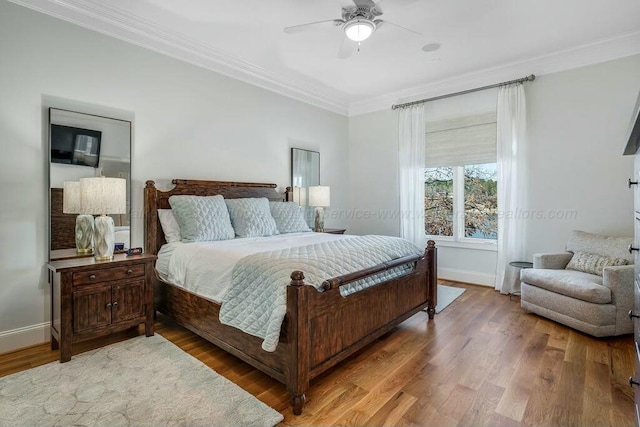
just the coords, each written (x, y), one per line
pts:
(589, 287)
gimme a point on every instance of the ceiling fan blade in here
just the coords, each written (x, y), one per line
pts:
(398, 3)
(380, 22)
(394, 3)
(303, 27)
(346, 49)
(364, 3)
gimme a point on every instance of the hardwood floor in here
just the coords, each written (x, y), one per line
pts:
(482, 361)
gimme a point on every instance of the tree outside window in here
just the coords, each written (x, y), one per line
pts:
(461, 202)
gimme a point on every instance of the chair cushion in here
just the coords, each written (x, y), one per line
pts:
(574, 284)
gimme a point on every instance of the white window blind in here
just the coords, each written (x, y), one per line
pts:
(460, 141)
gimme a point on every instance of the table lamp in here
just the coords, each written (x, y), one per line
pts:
(103, 196)
(72, 204)
(319, 196)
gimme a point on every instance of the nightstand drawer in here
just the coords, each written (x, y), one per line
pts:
(107, 274)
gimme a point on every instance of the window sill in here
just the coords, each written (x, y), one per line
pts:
(479, 246)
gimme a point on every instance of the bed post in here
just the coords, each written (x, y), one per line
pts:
(150, 217)
(432, 278)
(298, 341)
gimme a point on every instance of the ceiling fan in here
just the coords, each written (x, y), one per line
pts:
(358, 23)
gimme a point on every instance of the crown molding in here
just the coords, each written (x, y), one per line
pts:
(605, 50)
(111, 21)
(106, 19)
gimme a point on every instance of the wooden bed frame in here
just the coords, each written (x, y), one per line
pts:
(320, 328)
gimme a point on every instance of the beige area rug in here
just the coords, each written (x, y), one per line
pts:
(447, 295)
(139, 382)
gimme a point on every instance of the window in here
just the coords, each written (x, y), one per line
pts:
(461, 201)
(439, 201)
(481, 201)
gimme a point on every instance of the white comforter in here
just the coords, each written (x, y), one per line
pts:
(204, 268)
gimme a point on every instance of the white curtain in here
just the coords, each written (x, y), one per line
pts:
(512, 182)
(411, 135)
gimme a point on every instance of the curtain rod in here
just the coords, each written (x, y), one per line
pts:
(529, 78)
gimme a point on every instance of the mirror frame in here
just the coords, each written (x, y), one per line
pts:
(68, 253)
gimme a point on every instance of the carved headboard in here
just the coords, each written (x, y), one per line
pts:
(155, 199)
(63, 226)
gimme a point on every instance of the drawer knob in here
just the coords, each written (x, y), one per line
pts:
(129, 272)
(108, 304)
(630, 183)
(631, 315)
(115, 303)
(631, 249)
(92, 277)
(632, 382)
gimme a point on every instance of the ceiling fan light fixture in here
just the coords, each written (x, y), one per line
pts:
(359, 29)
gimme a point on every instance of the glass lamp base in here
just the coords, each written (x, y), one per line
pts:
(84, 234)
(103, 238)
(319, 220)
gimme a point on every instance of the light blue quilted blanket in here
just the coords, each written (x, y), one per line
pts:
(256, 301)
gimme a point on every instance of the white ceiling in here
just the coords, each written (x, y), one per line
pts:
(482, 41)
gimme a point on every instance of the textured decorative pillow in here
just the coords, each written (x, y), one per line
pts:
(288, 217)
(169, 226)
(592, 263)
(614, 247)
(202, 218)
(251, 217)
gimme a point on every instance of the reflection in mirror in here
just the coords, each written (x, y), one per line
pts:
(82, 146)
(305, 172)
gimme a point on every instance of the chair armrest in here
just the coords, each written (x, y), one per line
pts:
(620, 280)
(557, 261)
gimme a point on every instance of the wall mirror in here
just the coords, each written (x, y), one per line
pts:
(81, 146)
(305, 172)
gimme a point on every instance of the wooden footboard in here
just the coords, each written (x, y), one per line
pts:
(324, 328)
(320, 329)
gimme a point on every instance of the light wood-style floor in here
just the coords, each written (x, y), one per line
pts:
(482, 361)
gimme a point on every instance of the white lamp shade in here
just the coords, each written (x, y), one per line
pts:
(71, 197)
(103, 196)
(359, 29)
(319, 195)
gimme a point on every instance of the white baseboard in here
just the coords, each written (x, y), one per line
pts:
(24, 337)
(467, 276)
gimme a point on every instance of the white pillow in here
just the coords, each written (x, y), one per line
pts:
(288, 217)
(202, 218)
(251, 217)
(169, 225)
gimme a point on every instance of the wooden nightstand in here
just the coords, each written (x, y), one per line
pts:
(334, 230)
(93, 298)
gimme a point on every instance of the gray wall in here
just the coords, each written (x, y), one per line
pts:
(188, 123)
(193, 123)
(577, 122)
